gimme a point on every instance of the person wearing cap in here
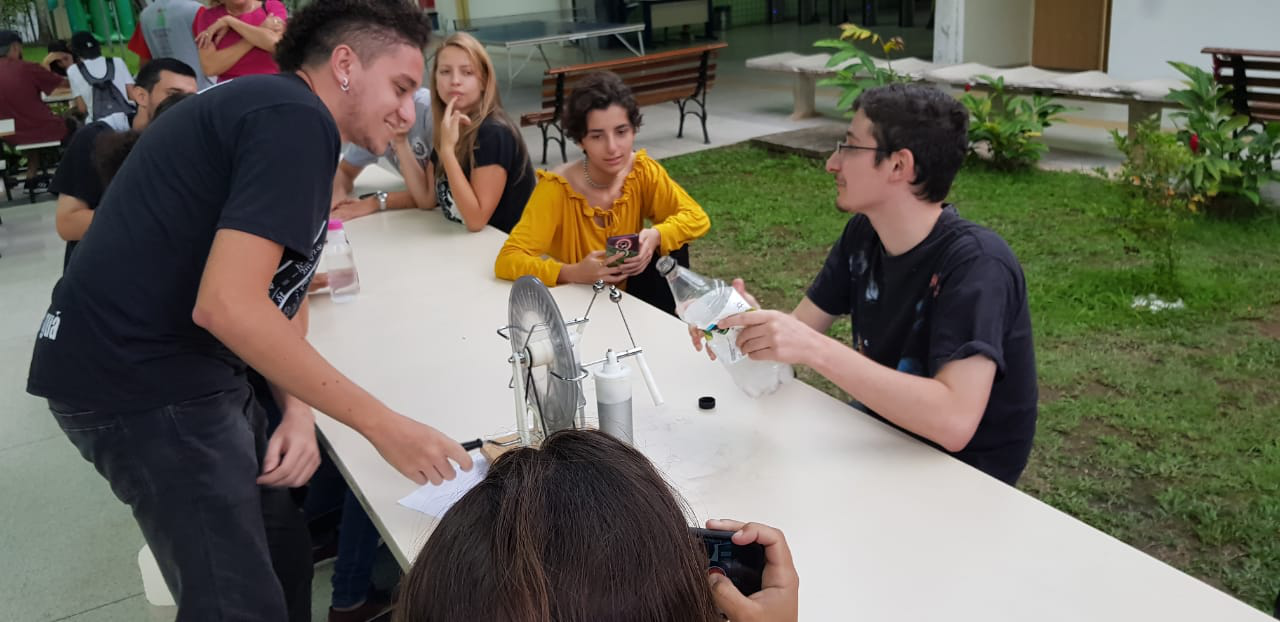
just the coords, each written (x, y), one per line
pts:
(942, 342)
(93, 67)
(21, 84)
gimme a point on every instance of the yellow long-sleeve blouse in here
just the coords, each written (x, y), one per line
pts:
(559, 227)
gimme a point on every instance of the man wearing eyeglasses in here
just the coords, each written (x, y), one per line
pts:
(941, 331)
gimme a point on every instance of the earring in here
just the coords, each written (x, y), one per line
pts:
(346, 86)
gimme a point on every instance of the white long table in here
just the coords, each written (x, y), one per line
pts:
(882, 527)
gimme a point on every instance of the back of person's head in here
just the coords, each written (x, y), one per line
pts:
(150, 73)
(489, 105)
(582, 529)
(369, 27)
(597, 91)
(85, 45)
(111, 148)
(932, 125)
(10, 43)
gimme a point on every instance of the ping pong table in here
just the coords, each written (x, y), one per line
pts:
(533, 30)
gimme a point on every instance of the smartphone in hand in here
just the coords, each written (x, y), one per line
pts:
(619, 248)
(743, 565)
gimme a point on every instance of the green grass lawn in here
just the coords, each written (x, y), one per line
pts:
(1160, 429)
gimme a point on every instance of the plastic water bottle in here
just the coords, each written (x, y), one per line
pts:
(344, 282)
(613, 398)
(702, 302)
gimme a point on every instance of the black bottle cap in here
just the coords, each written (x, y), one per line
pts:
(706, 402)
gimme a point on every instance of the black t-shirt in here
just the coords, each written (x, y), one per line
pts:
(77, 173)
(256, 154)
(495, 144)
(958, 293)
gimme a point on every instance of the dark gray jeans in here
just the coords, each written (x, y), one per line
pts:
(228, 548)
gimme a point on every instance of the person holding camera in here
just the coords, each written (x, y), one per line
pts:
(584, 528)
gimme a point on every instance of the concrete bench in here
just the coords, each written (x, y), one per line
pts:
(1145, 98)
(807, 69)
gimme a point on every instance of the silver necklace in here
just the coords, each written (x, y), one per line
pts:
(586, 172)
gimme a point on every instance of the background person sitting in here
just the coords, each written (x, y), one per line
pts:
(480, 167)
(611, 191)
(21, 84)
(409, 154)
(77, 182)
(100, 84)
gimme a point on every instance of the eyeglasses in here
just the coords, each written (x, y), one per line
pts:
(842, 146)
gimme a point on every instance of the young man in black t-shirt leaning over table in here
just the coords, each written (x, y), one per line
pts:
(199, 256)
(941, 331)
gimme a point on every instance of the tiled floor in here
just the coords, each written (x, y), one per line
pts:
(67, 547)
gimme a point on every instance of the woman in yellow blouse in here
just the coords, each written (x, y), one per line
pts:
(611, 191)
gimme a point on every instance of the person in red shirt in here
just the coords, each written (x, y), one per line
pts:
(238, 37)
(21, 84)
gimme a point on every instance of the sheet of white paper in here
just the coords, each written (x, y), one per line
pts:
(435, 500)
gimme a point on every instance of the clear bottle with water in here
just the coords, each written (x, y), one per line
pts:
(702, 302)
(344, 282)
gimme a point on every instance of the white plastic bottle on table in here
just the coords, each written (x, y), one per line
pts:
(613, 398)
(702, 302)
(344, 281)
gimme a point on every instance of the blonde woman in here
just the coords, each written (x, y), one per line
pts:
(479, 165)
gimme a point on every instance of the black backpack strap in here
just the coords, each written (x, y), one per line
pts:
(107, 78)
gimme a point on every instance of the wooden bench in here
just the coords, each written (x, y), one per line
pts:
(1254, 78)
(679, 76)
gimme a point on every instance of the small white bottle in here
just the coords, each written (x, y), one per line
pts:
(344, 281)
(613, 398)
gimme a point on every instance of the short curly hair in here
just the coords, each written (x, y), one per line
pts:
(370, 27)
(597, 91)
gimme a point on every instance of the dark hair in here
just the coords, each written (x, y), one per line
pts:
(58, 66)
(596, 91)
(111, 148)
(368, 26)
(930, 124)
(582, 529)
(149, 75)
(8, 38)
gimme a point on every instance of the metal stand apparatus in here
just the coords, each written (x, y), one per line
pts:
(545, 373)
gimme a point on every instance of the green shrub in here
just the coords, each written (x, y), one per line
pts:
(1009, 126)
(864, 74)
(1232, 157)
(1158, 201)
